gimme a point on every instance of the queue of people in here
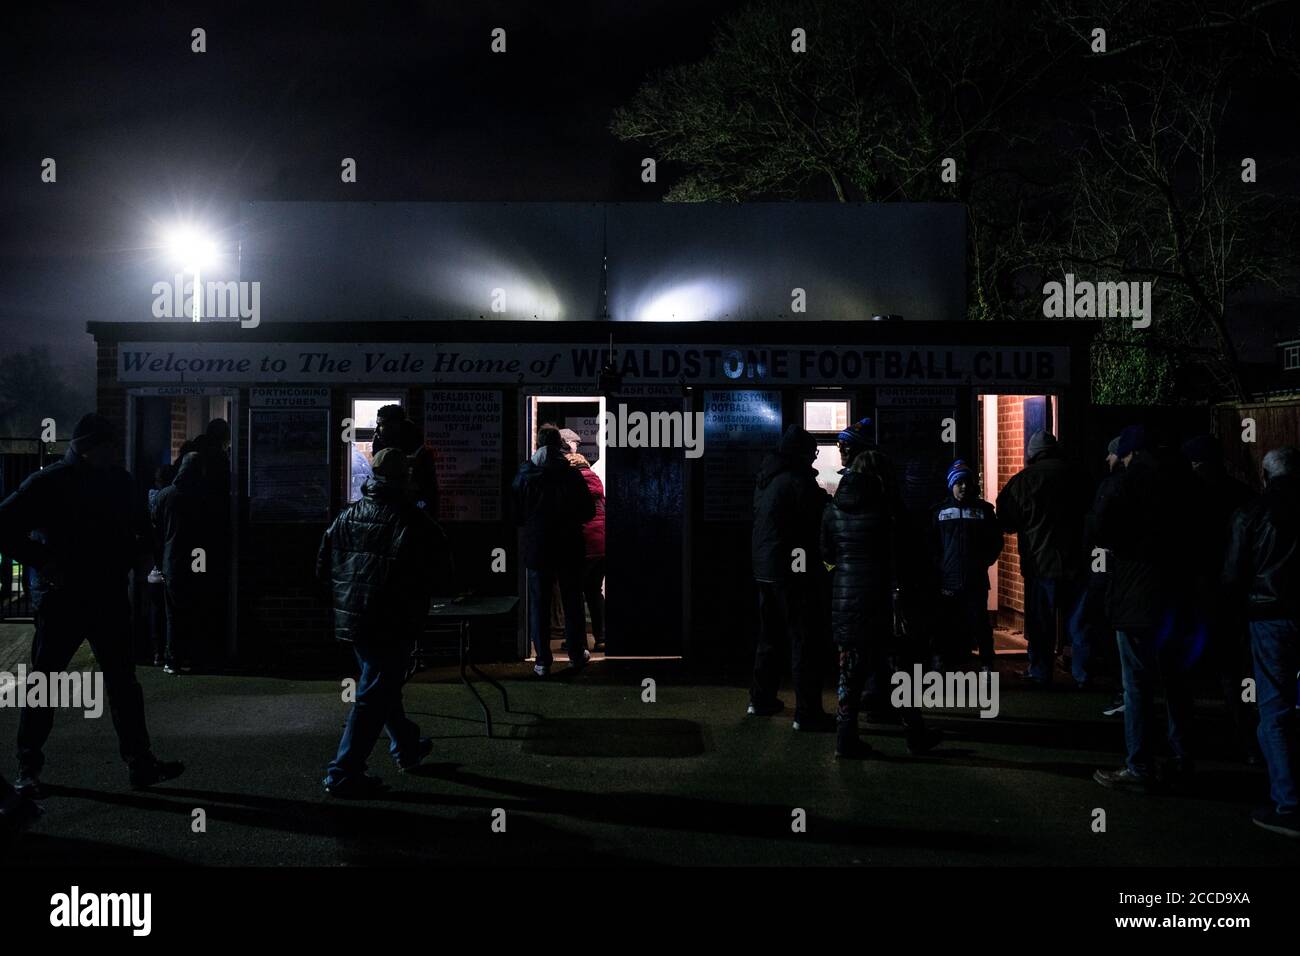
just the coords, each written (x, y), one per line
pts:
(1166, 566)
(1168, 561)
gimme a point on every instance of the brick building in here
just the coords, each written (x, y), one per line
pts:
(677, 527)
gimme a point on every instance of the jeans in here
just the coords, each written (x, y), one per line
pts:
(1275, 646)
(1147, 658)
(540, 584)
(786, 619)
(1044, 598)
(63, 621)
(378, 706)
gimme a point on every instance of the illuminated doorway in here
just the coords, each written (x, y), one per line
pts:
(1005, 424)
(581, 415)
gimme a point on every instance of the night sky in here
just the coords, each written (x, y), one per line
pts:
(145, 132)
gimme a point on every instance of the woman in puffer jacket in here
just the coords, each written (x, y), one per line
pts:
(859, 537)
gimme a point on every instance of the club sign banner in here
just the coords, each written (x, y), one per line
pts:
(540, 363)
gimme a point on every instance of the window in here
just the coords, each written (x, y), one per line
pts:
(823, 416)
(825, 419)
(1291, 356)
(364, 411)
(828, 467)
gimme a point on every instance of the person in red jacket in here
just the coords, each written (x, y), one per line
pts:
(593, 536)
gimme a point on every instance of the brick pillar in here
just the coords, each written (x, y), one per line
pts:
(1011, 459)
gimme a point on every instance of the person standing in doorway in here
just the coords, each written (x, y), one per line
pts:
(787, 567)
(1045, 504)
(593, 539)
(185, 530)
(552, 504)
(378, 558)
(81, 527)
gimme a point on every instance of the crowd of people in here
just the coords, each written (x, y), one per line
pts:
(1166, 565)
(1166, 568)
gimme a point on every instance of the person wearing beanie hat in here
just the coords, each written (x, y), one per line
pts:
(80, 526)
(965, 540)
(1261, 571)
(859, 537)
(1132, 439)
(92, 431)
(1112, 453)
(852, 440)
(1040, 442)
(379, 559)
(786, 564)
(552, 502)
(797, 442)
(1045, 505)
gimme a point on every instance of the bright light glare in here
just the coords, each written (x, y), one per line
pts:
(701, 300)
(190, 248)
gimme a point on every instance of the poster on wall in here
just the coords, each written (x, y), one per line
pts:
(464, 428)
(740, 427)
(288, 455)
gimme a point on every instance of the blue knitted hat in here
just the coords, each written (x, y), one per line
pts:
(958, 471)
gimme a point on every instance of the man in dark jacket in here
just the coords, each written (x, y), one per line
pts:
(183, 524)
(552, 503)
(1044, 504)
(1219, 496)
(1144, 525)
(786, 561)
(1262, 569)
(379, 558)
(967, 540)
(393, 429)
(81, 527)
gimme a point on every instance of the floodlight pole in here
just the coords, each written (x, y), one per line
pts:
(198, 296)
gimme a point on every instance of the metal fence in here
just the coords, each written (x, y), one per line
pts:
(19, 457)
